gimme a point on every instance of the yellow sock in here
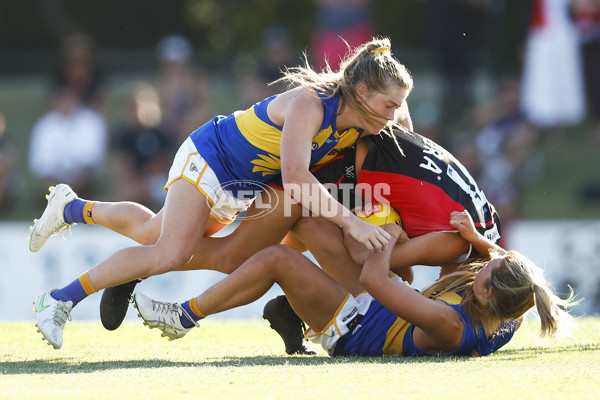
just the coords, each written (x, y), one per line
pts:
(87, 212)
(86, 284)
(194, 308)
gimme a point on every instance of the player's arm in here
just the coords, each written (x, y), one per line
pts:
(303, 116)
(433, 248)
(464, 224)
(437, 325)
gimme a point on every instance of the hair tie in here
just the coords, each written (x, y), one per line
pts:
(533, 287)
(380, 50)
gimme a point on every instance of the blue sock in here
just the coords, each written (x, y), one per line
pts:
(74, 212)
(185, 322)
(72, 292)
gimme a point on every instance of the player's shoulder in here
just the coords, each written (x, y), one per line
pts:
(299, 101)
(299, 96)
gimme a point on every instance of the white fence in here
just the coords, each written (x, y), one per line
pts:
(568, 250)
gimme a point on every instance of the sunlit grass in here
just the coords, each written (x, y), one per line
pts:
(245, 360)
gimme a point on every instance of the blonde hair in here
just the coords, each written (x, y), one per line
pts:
(517, 286)
(371, 63)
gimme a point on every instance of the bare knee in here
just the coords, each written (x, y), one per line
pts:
(146, 232)
(230, 262)
(274, 259)
(167, 260)
(146, 238)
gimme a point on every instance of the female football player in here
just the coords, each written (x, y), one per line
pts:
(472, 311)
(221, 167)
(432, 244)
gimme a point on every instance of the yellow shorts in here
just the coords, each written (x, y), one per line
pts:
(189, 165)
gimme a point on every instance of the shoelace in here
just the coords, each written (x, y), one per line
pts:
(163, 307)
(63, 230)
(62, 313)
(189, 317)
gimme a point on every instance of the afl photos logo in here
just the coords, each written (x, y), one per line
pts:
(264, 198)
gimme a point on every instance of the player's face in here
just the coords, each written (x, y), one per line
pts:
(381, 106)
(483, 292)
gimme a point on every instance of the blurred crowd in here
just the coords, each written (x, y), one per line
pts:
(77, 140)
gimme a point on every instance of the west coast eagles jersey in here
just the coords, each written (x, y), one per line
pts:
(243, 149)
(424, 183)
(381, 332)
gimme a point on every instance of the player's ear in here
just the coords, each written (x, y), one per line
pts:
(361, 92)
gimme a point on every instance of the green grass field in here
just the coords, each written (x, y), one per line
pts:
(245, 360)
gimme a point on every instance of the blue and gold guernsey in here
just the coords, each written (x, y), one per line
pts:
(243, 149)
(381, 332)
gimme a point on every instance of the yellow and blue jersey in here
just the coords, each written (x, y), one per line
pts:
(243, 149)
(381, 332)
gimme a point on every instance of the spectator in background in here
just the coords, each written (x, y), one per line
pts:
(450, 30)
(506, 149)
(276, 53)
(8, 157)
(78, 72)
(184, 91)
(587, 20)
(142, 150)
(552, 92)
(346, 19)
(69, 142)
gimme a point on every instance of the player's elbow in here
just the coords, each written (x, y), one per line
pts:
(291, 175)
(293, 180)
(369, 279)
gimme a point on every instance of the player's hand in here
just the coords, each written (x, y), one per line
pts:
(356, 249)
(371, 236)
(464, 224)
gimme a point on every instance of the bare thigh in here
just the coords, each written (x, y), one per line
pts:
(325, 242)
(136, 221)
(183, 222)
(266, 223)
(312, 293)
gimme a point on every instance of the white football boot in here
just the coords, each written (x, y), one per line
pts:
(162, 315)
(52, 315)
(52, 222)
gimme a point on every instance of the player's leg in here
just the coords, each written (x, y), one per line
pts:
(325, 242)
(65, 208)
(136, 221)
(185, 214)
(433, 248)
(265, 223)
(126, 218)
(184, 219)
(292, 240)
(312, 293)
(120, 218)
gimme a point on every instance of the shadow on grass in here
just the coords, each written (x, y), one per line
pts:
(71, 365)
(529, 352)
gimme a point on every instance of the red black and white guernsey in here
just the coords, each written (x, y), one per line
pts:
(422, 181)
